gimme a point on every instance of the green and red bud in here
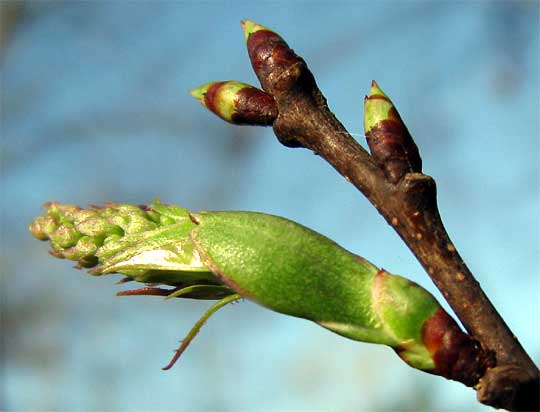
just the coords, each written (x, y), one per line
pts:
(272, 261)
(391, 145)
(250, 27)
(237, 103)
(430, 339)
(403, 307)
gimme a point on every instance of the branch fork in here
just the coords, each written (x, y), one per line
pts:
(391, 178)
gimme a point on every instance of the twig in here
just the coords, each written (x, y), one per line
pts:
(408, 203)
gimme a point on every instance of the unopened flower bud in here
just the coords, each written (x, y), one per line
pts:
(65, 236)
(80, 215)
(85, 248)
(43, 226)
(137, 224)
(98, 226)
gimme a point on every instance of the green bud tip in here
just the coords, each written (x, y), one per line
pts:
(249, 27)
(376, 90)
(377, 107)
(222, 98)
(199, 92)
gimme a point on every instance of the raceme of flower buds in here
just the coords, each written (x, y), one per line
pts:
(270, 260)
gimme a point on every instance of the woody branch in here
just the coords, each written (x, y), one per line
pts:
(391, 178)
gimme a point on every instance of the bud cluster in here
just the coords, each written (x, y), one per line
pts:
(84, 234)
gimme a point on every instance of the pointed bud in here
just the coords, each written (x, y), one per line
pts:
(389, 141)
(237, 103)
(249, 27)
(269, 53)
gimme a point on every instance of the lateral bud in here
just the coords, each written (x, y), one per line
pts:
(391, 145)
(237, 103)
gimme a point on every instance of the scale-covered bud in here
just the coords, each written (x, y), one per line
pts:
(237, 103)
(391, 145)
(269, 53)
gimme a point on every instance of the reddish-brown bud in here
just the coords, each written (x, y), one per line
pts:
(271, 57)
(457, 356)
(237, 102)
(389, 141)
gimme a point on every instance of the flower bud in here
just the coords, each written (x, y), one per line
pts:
(65, 236)
(60, 209)
(237, 103)
(80, 215)
(139, 224)
(86, 247)
(43, 226)
(98, 226)
(114, 233)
